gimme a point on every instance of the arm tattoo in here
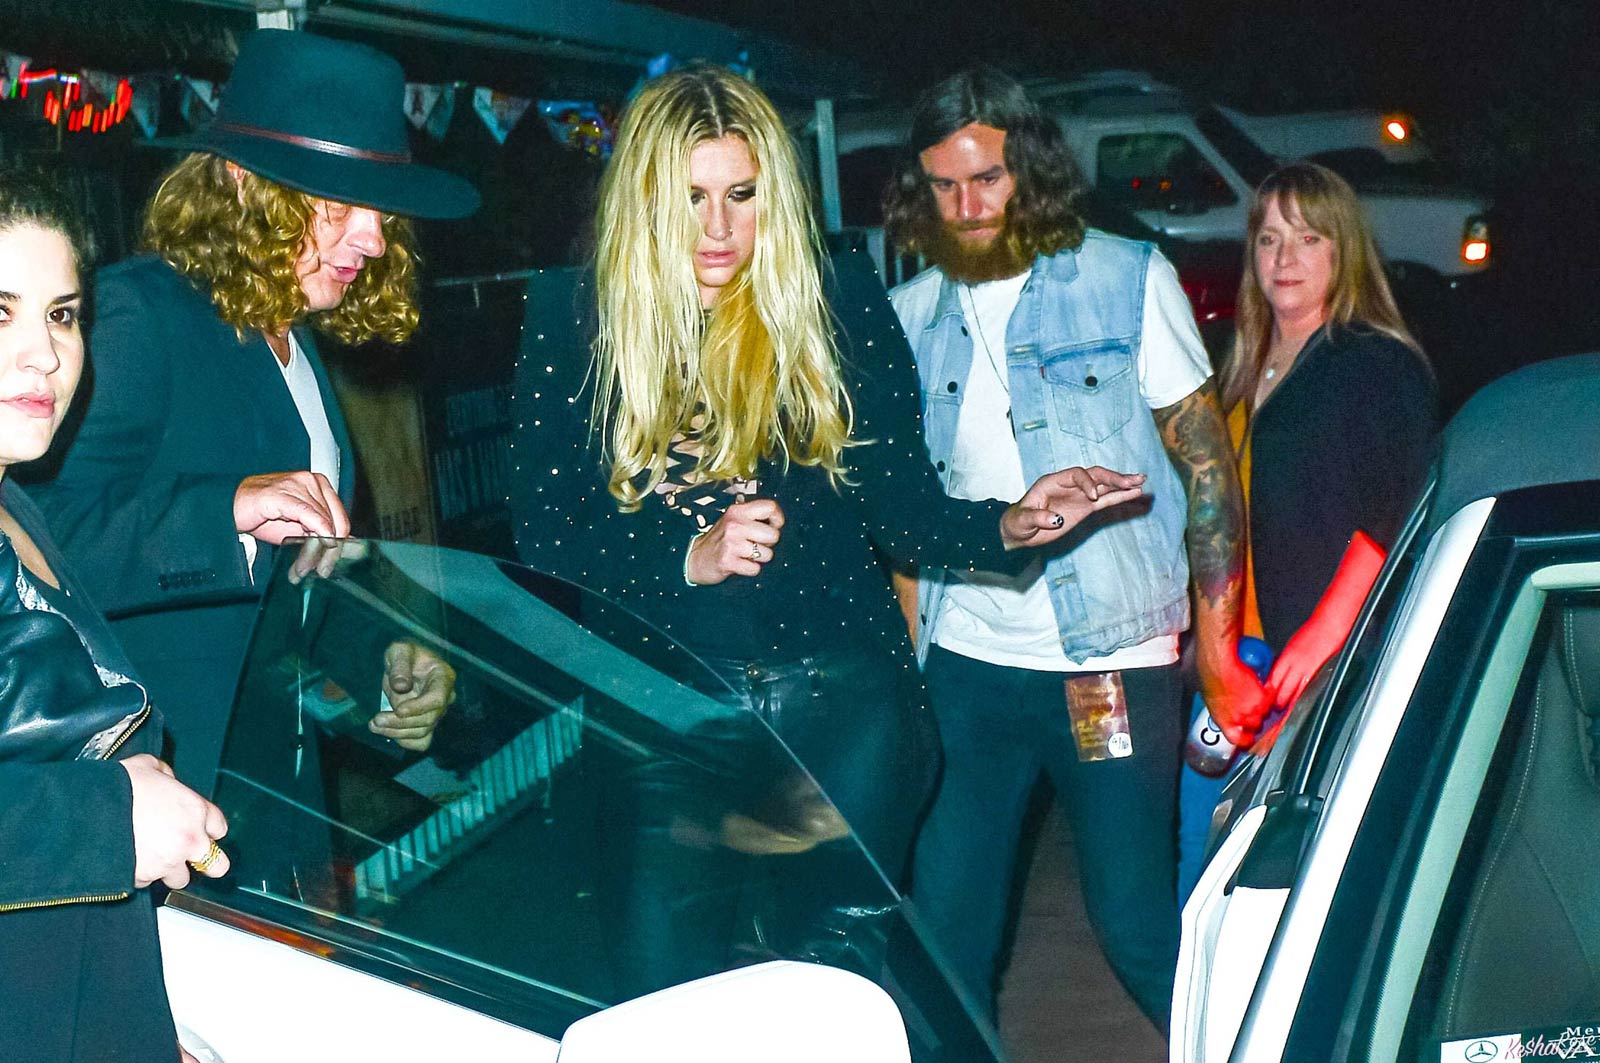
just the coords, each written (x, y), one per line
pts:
(1196, 438)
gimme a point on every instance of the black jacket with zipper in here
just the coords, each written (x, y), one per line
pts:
(80, 967)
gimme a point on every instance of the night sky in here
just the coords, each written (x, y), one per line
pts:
(1505, 85)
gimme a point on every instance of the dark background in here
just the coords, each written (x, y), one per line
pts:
(1507, 94)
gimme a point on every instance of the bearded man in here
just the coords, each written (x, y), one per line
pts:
(1042, 344)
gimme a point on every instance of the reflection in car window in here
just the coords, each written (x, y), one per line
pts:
(595, 818)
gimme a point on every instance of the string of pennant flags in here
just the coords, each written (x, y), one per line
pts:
(92, 101)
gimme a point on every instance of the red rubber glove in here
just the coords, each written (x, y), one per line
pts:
(1320, 637)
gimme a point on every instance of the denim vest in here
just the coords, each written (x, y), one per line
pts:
(1072, 362)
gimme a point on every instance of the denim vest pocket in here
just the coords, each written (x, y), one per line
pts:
(1094, 388)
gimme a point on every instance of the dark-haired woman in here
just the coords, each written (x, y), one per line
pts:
(89, 818)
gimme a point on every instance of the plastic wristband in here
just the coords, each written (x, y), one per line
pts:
(686, 554)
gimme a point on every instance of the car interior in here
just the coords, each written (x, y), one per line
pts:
(1527, 939)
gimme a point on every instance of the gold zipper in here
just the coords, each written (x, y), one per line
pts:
(64, 900)
(98, 898)
(144, 714)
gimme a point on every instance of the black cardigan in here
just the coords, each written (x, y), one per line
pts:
(1343, 443)
(80, 981)
(824, 588)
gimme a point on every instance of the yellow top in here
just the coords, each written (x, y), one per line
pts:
(1239, 432)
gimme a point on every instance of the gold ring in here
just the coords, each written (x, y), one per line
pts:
(203, 864)
(755, 551)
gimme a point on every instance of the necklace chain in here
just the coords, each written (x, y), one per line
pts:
(988, 352)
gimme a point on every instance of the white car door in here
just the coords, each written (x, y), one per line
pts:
(1254, 919)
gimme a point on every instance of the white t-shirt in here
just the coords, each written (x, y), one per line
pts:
(307, 397)
(1008, 620)
(302, 384)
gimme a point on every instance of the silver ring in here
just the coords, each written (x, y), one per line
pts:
(755, 551)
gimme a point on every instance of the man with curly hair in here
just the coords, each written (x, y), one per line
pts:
(1039, 344)
(210, 433)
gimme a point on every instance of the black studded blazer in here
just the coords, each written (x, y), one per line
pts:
(825, 587)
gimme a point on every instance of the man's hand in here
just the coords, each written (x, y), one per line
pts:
(172, 826)
(738, 544)
(419, 686)
(323, 556)
(280, 505)
(1234, 696)
(1058, 501)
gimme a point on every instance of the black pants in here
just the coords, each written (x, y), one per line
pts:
(1001, 727)
(696, 905)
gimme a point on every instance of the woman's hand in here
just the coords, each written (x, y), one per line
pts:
(173, 827)
(1058, 501)
(738, 544)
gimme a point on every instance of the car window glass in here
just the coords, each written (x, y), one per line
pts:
(1512, 930)
(594, 818)
(1158, 171)
(1328, 734)
(1245, 154)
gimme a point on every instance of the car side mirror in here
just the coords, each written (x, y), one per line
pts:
(778, 1012)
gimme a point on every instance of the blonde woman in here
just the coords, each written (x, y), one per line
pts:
(737, 430)
(1333, 410)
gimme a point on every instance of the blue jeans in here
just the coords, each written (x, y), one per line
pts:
(1001, 727)
(1197, 800)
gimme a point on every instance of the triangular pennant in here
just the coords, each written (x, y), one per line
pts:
(499, 111)
(443, 111)
(104, 86)
(146, 104)
(14, 66)
(420, 101)
(199, 101)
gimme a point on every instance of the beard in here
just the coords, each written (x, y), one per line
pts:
(965, 263)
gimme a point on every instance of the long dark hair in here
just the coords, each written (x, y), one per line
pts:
(32, 195)
(1041, 218)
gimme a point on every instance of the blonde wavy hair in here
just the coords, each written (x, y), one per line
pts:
(1359, 292)
(762, 366)
(241, 241)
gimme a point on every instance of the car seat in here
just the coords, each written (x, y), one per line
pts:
(1527, 953)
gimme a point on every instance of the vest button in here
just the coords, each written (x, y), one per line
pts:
(1090, 381)
(951, 387)
(939, 466)
(964, 331)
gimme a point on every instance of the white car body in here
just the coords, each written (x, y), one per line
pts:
(1407, 874)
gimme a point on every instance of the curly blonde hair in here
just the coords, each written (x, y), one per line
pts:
(241, 241)
(762, 365)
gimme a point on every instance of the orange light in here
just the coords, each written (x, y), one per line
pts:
(1395, 130)
(1475, 250)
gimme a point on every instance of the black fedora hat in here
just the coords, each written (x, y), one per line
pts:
(326, 117)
